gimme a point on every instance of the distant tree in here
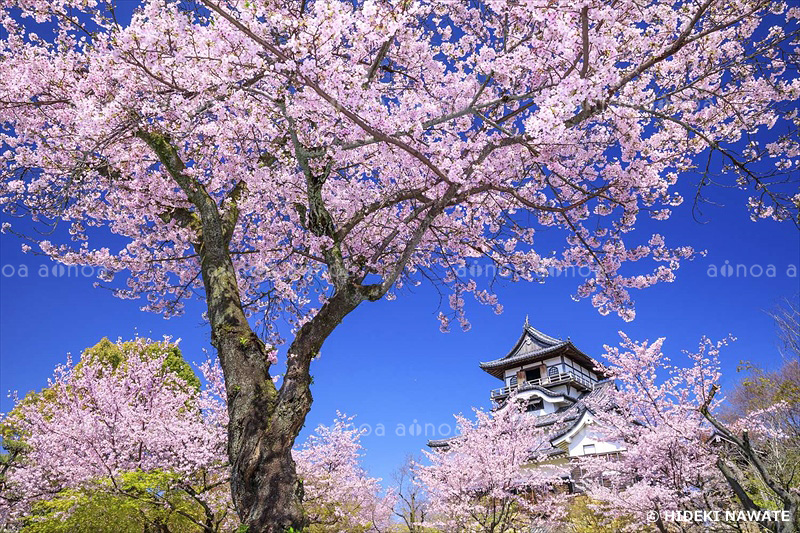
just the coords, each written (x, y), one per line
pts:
(483, 481)
(787, 322)
(294, 159)
(761, 388)
(774, 394)
(338, 494)
(126, 438)
(411, 505)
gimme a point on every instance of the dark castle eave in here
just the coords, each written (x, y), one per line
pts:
(550, 346)
(498, 367)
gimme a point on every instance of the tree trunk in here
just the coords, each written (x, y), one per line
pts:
(264, 484)
(264, 421)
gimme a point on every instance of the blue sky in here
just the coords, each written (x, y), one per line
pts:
(389, 364)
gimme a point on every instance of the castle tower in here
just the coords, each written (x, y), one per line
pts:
(548, 372)
(561, 386)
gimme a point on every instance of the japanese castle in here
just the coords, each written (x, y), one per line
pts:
(555, 379)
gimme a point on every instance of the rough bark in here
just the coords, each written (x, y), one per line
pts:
(264, 421)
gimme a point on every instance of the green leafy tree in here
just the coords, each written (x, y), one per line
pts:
(139, 502)
(112, 354)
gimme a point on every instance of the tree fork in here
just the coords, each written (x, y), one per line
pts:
(264, 422)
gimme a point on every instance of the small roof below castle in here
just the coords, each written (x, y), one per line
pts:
(562, 421)
(532, 346)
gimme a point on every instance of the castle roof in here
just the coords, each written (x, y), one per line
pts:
(533, 346)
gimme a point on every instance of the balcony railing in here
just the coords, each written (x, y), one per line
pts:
(555, 379)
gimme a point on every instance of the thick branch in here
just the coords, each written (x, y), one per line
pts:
(585, 39)
(743, 445)
(378, 59)
(231, 216)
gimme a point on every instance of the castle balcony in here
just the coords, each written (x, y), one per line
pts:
(580, 382)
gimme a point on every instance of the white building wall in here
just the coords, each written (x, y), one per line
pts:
(547, 405)
(591, 435)
(563, 389)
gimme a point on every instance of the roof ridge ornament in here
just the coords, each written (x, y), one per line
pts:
(527, 324)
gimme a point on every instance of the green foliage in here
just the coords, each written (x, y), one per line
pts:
(110, 354)
(105, 353)
(140, 501)
(9, 425)
(12, 437)
(584, 516)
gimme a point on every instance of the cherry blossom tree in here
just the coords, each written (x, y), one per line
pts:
(128, 430)
(484, 479)
(337, 493)
(291, 160)
(678, 456)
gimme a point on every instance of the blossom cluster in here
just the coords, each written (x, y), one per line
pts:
(433, 132)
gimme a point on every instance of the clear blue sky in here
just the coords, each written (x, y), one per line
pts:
(389, 364)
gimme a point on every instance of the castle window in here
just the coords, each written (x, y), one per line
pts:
(532, 374)
(534, 405)
(588, 449)
(552, 371)
(512, 381)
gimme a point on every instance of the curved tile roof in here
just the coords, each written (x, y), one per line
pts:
(546, 392)
(440, 443)
(508, 359)
(531, 346)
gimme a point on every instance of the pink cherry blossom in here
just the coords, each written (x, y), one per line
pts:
(482, 480)
(291, 160)
(338, 493)
(94, 422)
